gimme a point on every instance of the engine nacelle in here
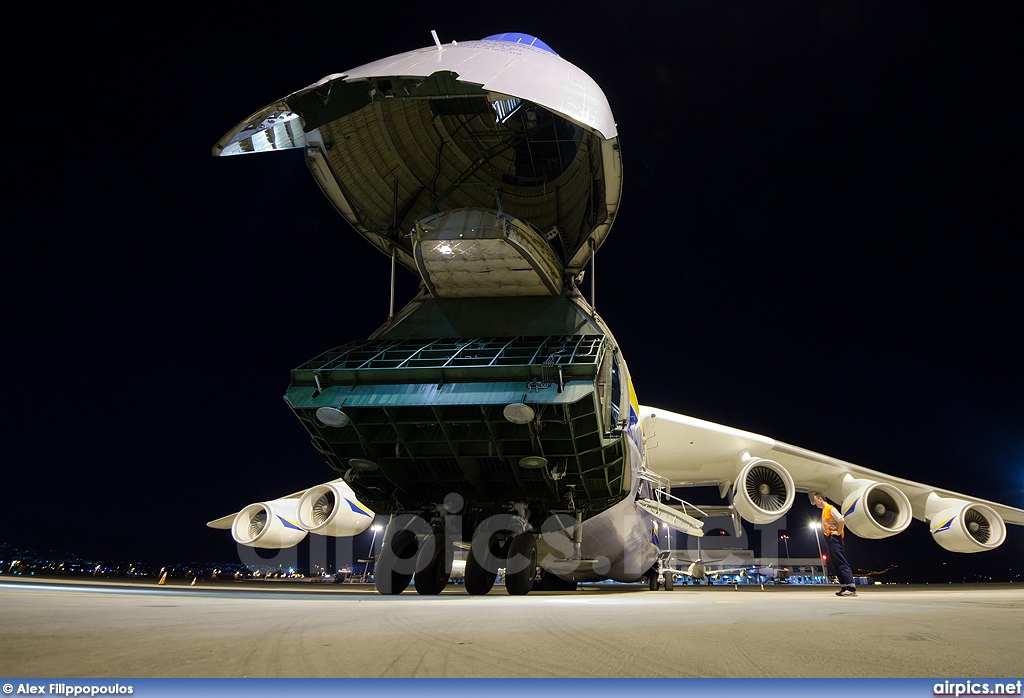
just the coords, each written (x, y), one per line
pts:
(964, 527)
(875, 509)
(268, 525)
(331, 509)
(763, 491)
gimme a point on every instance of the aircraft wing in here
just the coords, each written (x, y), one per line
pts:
(330, 508)
(224, 522)
(760, 475)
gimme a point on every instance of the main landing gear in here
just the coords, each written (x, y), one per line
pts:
(433, 566)
(405, 556)
(418, 551)
(489, 552)
(396, 563)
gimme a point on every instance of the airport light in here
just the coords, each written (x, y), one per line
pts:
(817, 527)
(366, 568)
(785, 539)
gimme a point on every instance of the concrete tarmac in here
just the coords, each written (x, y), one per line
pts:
(72, 630)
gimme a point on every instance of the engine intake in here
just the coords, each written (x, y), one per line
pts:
(331, 509)
(964, 527)
(268, 525)
(874, 509)
(763, 491)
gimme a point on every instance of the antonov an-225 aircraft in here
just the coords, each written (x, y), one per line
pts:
(495, 411)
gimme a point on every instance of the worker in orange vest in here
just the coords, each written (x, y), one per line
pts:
(833, 526)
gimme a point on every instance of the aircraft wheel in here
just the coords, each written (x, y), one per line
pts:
(433, 567)
(669, 581)
(480, 575)
(398, 553)
(522, 557)
(652, 578)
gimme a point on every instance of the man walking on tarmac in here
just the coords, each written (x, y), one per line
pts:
(833, 525)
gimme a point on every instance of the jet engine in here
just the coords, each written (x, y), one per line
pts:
(964, 527)
(874, 509)
(268, 525)
(332, 509)
(763, 491)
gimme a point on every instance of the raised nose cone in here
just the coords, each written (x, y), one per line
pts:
(503, 125)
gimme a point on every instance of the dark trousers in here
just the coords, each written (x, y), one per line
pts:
(837, 551)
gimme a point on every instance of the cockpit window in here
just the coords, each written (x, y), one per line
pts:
(520, 38)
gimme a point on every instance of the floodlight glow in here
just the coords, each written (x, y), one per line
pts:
(479, 252)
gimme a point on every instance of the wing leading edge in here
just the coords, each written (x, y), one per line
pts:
(760, 474)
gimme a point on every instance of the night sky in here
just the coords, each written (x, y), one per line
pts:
(818, 241)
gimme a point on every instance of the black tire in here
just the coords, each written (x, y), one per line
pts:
(669, 581)
(433, 567)
(522, 557)
(398, 552)
(652, 578)
(479, 579)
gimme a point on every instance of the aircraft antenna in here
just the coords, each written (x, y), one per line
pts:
(437, 42)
